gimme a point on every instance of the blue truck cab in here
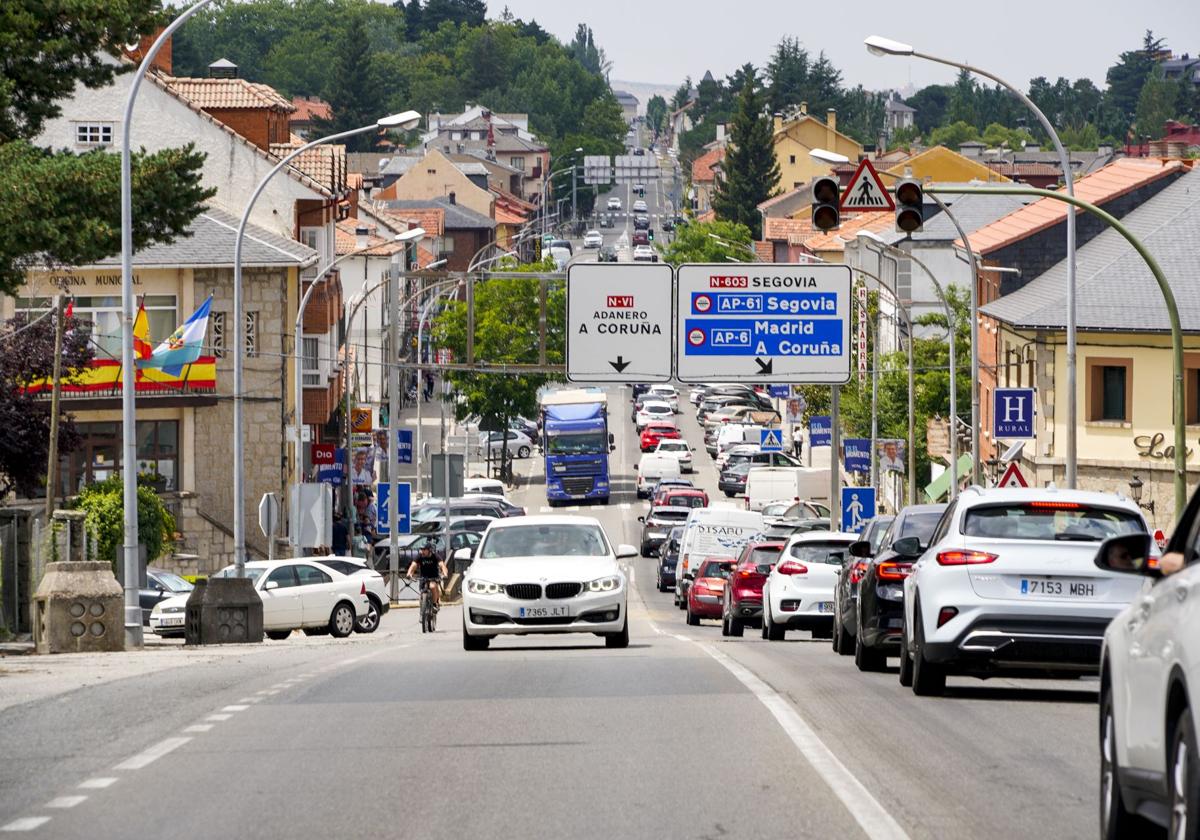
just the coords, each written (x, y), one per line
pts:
(576, 443)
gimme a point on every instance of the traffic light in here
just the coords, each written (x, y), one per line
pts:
(650, 232)
(910, 198)
(825, 194)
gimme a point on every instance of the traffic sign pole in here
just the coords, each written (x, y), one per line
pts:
(619, 320)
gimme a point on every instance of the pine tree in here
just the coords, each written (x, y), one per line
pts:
(751, 171)
(353, 94)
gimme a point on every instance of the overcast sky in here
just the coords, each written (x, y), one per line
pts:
(662, 42)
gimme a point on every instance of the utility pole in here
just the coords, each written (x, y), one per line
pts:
(393, 448)
(56, 388)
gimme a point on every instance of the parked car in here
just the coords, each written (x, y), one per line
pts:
(160, 585)
(593, 239)
(478, 524)
(707, 590)
(1008, 585)
(507, 508)
(743, 601)
(668, 556)
(477, 485)
(657, 525)
(410, 545)
(798, 594)
(872, 631)
(644, 253)
(655, 432)
(377, 592)
(668, 224)
(580, 585)
(434, 508)
(679, 449)
(1149, 675)
(520, 445)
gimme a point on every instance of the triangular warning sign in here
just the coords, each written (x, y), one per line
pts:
(1012, 477)
(866, 191)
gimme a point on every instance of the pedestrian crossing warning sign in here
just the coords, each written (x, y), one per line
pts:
(771, 440)
(866, 191)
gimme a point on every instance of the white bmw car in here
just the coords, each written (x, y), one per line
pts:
(546, 574)
(798, 594)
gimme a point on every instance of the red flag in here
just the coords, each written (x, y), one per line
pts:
(70, 313)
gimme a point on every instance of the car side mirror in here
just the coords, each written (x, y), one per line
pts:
(908, 546)
(861, 549)
(1128, 553)
(624, 551)
(462, 554)
(728, 567)
(271, 584)
(688, 576)
(642, 519)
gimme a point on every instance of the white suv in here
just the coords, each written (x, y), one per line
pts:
(1150, 665)
(1008, 584)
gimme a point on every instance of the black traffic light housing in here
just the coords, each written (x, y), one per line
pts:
(826, 192)
(650, 233)
(910, 205)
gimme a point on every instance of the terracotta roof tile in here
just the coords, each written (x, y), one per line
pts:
(347, 240)
(707, 216)
(432, 219)
(792, 231)
(310, 109)
(1119, 177)
(1010, 169)
(771, 202)
(765, 251)
(325, 164)
(503, 217)
(851, 224)
(221, 94)
(702, 167)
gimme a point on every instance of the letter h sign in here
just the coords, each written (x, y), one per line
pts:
(1012, 413)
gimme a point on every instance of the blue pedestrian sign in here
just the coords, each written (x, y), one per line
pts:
(858, 505)
(403, 507)
(820, 430)
(771, 440)
(1012, 413)
(404, 445)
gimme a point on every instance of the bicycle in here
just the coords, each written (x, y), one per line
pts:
(428, 610)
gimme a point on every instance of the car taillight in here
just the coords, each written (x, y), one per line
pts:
(791, 567)
(1054, 505)
(857, 571)
(893, 571)
(964, 558)
(945, 614)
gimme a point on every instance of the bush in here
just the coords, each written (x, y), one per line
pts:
(104, 503)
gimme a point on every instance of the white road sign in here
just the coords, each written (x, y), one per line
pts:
(763, 322)
(866, 190)
(619, 322)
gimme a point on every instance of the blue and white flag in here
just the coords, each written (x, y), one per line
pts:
(183, 346)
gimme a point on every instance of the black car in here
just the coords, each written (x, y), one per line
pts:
(762, 459)
(657, 525)
(845, 596)
(668, 556)
(880, 615)
(608, 254)
(668, 224)
(733, 478)
(641, 222)
(639, 388)
(409, 547)
(160, 584)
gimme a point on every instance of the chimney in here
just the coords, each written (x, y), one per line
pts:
(720, 132)
(1105, 149)
(804, 109)
(830, 128)
(1032, 147)
(778, 122)
(453, 197)
(162, 61)
(222, 68)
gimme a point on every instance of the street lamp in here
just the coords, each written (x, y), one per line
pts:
(545, 190)
(1135, 493)
(878, 45)
(133, 608)
(403, 120)
(728, 243)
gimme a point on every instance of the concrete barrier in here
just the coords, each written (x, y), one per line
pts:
(79, 607)
(223, 611)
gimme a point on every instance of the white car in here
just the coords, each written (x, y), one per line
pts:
(593, 239)
(614, 203)
(639, 206)
(546, 574)
(798, 594)
(644, 253)
(377, 590)
(665, 393)
(1008, 584)
(296, 594)
(681, 450)
(654, 410)
(519, 444)
(1149, 671)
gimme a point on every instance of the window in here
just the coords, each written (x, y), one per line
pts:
(456, 135)
(285, 576)
(99, 454)
(217, 334)
(517, 163)
(311, 575)
(101, 317)
(447, 244)
(791, 158)
(312, 365)
(1191, 387)
(1110, 390)
(93, 134)
(251, 334)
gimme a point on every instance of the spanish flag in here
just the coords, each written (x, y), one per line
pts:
(142, 348)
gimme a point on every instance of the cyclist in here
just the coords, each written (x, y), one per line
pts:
(432, 569)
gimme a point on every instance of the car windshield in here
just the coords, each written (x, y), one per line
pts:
(831, 553)
(174, 582)
(252, 572)
(764, 559)
(877, 533)
(1063, 521)
(712, 569)
(553, 540)
(687, 502)
(581, 443)
(920, 525)
(776, 509)
(667, 513)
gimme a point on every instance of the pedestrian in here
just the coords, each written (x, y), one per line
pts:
(797, 445)
(428, 386)
(341, 536)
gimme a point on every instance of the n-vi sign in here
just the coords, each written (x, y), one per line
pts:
(619, 322)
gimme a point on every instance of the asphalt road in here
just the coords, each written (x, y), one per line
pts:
(682, 735)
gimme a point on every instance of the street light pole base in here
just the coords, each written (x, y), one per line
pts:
(134, 637)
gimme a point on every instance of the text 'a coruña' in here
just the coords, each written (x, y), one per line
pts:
(630, 322)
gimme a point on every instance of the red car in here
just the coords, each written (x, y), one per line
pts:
(743, 601)
(654, 432)
(707, 590)
(671, 496)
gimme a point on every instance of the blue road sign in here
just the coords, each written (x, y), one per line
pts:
(404, 445)
(820, 430)
(780, 391)
(858, 454)
(403, 507)
(763, 322)
(858, 505)
(1012, 413)
(771, 440)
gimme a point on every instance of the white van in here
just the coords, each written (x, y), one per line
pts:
(483, 486)
(713, 532)
(769, 484)
(653, 468)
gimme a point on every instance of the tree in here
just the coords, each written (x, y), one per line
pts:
(694, 243)
(751, 171)
(353, 92)
(930, 104)
(682, 94)
(585, 51)
(656, 114)
(1128, 76)
(27, 358)
(787, 74)
(1156, 105)
(961, 107)
(954, 135)
(104, 503)
(457, 12)
(863, 114)
(998, 135)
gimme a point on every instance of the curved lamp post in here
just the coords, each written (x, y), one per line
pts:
(404, 120)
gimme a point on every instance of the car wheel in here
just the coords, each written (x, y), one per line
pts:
(730, 495)
(474, 642)
(837, 633)
(369, 621)
(278, 635)
(692, 620)
(620, 639)
(929, 680)
(868, 659)
(906, 663)
(1183, 774)
(736, 627)
(771, 631)
(1115, 821)
(724, 624)
(645, 552)
(523, 452)
(341, 620)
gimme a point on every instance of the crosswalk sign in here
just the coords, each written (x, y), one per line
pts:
(771, 440)
(866, 191)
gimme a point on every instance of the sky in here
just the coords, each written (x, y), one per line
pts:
(662, 42)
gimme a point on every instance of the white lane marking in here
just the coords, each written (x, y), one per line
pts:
(199, 727)
(65, 801)
(25, 824)
(270, 693)
(278, 686)
(152, 754)
(265, 692)
(544, 509)
(235, 708)
(98, 783)
(218, 718)
(250, 700)
(867, 811)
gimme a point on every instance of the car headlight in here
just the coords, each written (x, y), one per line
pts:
(483, 587)
(174, 609)
(604, 584)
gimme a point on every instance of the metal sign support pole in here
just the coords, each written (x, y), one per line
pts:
(835, 479)
(393, 449)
